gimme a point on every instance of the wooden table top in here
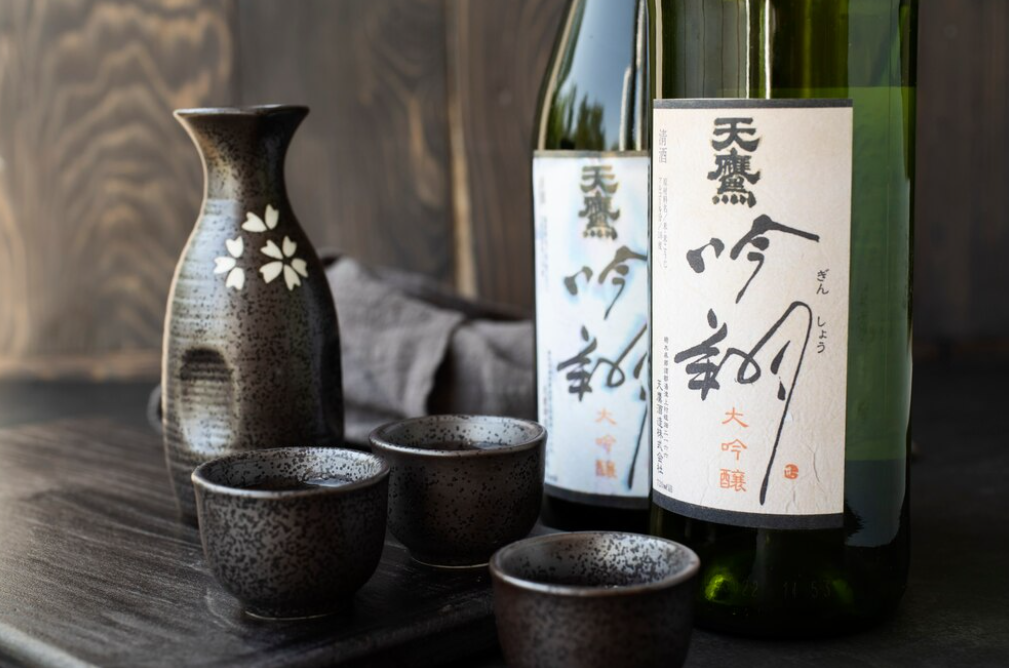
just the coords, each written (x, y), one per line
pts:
(95, 569)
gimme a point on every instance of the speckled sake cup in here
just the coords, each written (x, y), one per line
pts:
(293, 553)
(453, 503)
(594, 599)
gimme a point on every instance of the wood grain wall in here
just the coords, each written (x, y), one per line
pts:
(368, 171)
(97, 187)
(501, 52)
(962, 207)
(415, 154)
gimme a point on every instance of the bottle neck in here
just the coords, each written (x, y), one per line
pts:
(238, 173)
(243, 150)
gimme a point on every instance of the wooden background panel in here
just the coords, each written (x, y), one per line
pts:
(98, 188)
(501, 53)
(962, 214)
(368, 170)
(416, 154)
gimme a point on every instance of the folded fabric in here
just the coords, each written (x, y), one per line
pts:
(411, 347)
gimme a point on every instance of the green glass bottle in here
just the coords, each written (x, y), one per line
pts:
(782, 189)
(590, 184)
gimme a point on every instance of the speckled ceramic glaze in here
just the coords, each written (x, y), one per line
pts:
(454, 507)
(295, 553)
(594, 600)
(252, 351)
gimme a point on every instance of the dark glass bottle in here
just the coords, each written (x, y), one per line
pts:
(590, 174)
(759, 577)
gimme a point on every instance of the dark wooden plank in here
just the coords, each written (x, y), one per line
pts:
(501, 53)
(99, 186)
(95, 569)
(24, 402)
(368, 171)
(962, 229)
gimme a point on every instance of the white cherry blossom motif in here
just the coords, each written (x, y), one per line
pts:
(227, 264)
(254, 223)
(286, 263)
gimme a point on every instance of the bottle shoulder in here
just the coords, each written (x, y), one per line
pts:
(593, 96)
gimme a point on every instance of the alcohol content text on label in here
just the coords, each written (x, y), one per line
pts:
(592, 324)
(751, 205)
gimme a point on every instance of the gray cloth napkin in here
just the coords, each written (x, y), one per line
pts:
(411, 347)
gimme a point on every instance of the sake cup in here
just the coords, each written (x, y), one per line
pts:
(461, 486)
(594, 600)
(293, 532)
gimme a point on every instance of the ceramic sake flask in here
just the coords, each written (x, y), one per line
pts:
(252, 349)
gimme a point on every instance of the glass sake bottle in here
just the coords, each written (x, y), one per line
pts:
(590, 190)
(782, 190)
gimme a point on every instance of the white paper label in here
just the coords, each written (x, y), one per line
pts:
(751, 206)
(591, 212)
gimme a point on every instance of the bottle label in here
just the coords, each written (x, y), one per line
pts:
(591, 229)
(751, 206)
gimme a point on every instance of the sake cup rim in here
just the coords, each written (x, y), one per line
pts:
(381, 441)
(200, 479)
(497, 569)
(244, 110)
